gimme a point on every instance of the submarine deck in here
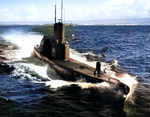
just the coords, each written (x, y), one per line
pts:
(84, 69)
(78, 67)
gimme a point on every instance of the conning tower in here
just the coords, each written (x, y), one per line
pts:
(55, 47)
(60, 49)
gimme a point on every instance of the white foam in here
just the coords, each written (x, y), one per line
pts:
(57, 83)
(30, 72)
(80, 57)
(106, 67)
(84, 85)
(91, 85)
(25, 41)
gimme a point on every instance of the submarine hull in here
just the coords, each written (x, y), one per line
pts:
(73, 70)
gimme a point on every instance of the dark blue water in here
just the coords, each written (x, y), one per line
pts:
(22, 91)
(26, 95)
(128, 44)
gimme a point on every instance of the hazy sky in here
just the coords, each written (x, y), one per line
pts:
(43, 10)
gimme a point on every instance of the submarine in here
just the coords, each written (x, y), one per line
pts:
(55, 51)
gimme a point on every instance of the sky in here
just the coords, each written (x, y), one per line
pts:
(74, 10)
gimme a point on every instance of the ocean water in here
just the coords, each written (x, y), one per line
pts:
(34, 89)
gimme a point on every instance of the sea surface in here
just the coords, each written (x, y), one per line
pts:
(33, 89)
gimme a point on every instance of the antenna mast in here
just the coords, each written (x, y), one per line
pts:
(55, 13)
(61, 10)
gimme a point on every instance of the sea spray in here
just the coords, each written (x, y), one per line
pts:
(103, 87)
(83, 85)
(104, 92)
(127, 79)
(106, 67)
(25, 42)
(80, 57)
(132, 82)
(30, 72)
(53, 84)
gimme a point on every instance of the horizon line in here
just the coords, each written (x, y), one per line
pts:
(141, 21)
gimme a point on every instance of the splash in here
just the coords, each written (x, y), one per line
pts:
(80, 57)
(107, 68)
(83, 85)
(30, 72)
(130, 81)
(25, 42)
(57, 83)
(91, 85)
